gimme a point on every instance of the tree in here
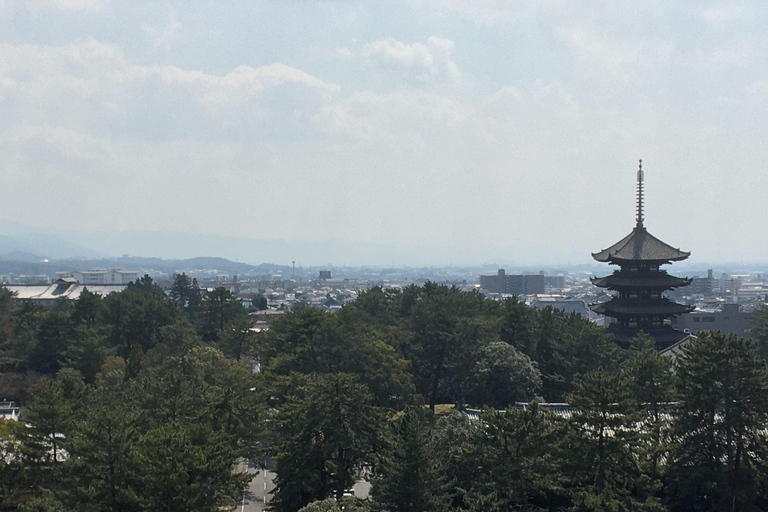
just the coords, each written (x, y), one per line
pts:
(219, 309)
(137, 318)
(188, 467)
(447, 329)
(346, 504)
(502, 376)
(187, 294)
(87, 351)
(409, 477)
(53, 338)
(651, 379)
(238, 339)
(326, 428)
(759, 331)
(102, 472)
(566, 347)
(14, 462)
(520, 457)
(719, 458)
(144, 284)
(603, 446)
(313, 341)
(51, 416)
(87, 310)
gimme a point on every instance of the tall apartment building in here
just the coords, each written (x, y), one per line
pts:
(515, 284)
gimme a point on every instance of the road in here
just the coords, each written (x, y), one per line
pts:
(259, 490)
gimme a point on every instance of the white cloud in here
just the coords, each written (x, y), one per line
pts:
(404, 117)
(420, 61)
(92, 86)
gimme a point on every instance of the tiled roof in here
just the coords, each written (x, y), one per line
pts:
(650, 307)
(640, 245)
(660, 280)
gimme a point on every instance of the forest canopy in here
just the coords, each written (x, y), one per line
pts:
(146, 400)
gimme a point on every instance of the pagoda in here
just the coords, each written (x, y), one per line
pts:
(639, 303)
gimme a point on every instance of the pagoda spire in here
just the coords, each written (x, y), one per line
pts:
(640, 179)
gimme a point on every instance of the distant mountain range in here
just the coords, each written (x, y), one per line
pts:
(30, 244)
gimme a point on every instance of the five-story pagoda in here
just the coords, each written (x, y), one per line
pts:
(639, 304)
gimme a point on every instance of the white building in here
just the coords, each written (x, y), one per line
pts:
(112, 276)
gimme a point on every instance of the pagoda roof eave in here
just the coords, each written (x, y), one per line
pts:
(661, 281)
(660, 307)
(640, 245)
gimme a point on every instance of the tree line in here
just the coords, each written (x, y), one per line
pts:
(144, 401)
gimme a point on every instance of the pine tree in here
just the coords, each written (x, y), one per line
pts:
(409, 477)
(653, 386)
(720, 426)
(604, 445)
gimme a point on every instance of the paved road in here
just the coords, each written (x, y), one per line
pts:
(258, 494)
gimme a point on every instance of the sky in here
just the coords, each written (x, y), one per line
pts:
(467, 132)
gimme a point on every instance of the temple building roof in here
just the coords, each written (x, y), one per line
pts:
(640, 245)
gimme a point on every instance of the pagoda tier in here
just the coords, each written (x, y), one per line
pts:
(640, 246)
(639, 304)
(663, 336)
(658, 280)
(638, 310)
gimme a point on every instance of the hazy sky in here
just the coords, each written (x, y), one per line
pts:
(489, 129)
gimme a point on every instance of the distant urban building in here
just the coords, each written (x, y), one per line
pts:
(324, 274)
(702, 285)
(112, 276)
(9, 411)
(640, 304)
(554, 281)
(494, 284)
(525, 284)
(515, 284)
(730, 320)
(66, 288)
(36, 279)
(568, 305)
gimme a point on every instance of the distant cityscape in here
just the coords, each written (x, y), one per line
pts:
(721, 299)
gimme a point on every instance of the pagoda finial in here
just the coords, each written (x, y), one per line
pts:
(640, 179)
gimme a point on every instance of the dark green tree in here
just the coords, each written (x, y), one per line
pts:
(87, 310)
(101, 472)
(187, 294)
(326, 428)
(409, 476)
(52, 415)
(652, 382)
(759, 331)
(238, 340)
(448, 329)
(54, 335)
(137, 318)
(312, 341)
(218, 309)
(521, 459)
(144, 284)
(346, 504)
(16, 462)
(718, 461)
(87, 351)
(604, 443)
(502, 376)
